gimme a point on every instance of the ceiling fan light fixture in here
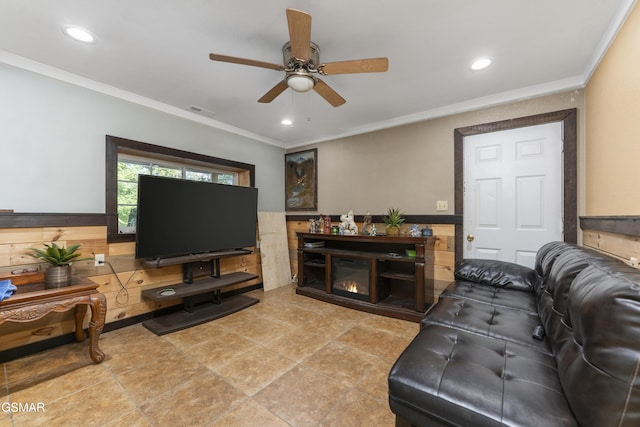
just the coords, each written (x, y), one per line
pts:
(301, 82)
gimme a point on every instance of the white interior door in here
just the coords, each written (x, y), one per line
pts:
(513, 199)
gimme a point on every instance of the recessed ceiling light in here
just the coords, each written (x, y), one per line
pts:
(286, 122)
(480, 64)
(79, 33)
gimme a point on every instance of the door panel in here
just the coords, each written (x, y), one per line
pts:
(530, 202)
(513, 192)
(488, 253)
(488, 203)
(525, 258)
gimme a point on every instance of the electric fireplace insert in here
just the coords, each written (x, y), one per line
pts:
(350, 277)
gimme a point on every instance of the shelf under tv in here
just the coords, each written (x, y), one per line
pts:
(162, 262)
(201, 300)
(199, 286)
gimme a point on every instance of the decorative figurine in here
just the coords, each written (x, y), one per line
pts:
(348, 224)
(415, 231)
(313, 226)
(373, 229)
(327, 224)
(366, 223)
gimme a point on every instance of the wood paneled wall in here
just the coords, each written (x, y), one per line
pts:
(616, 245)
(123, 293)
(123, 301)
(617, 236)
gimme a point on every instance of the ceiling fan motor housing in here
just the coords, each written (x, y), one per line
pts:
(294, 64)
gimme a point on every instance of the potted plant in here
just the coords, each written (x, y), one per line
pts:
(58, 274)
(393, 220)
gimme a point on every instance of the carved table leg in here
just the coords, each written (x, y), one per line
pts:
(98, 304)
(81, 310)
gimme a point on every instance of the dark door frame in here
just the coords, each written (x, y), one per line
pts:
(570, 163)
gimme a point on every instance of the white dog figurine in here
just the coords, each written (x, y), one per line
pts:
(347, 224)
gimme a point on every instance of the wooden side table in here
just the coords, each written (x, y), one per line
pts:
(32, 302)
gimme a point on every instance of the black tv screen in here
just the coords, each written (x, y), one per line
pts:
(181, 217)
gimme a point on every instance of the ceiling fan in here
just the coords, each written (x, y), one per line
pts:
(302, 63)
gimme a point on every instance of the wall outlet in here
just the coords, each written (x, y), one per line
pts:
(633, 261)
(442, 205)
(98, 259)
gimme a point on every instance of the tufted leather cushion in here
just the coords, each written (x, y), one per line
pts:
(552, 301)
(496, 273)
(600, 367)
(488, 320)
(475, 381)
(546, 256)
(488, 294)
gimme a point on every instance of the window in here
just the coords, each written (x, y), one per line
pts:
(130, 167)
(127, 159)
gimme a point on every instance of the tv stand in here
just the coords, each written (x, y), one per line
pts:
(187, 270)
(202, 299)
(398, 272)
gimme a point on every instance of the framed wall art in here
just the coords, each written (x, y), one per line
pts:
(301, 180)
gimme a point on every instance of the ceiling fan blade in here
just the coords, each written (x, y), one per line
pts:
(274, 92)
(330, 95)
(299, 34)
(373, 65)
(243, 61)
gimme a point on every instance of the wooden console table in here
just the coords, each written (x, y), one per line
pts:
(32, 302)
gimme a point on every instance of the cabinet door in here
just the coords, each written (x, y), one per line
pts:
(313, 271)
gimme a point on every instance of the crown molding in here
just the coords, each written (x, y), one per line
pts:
(558, 86)
(105, 89)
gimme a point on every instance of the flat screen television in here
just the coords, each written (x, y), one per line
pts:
(177, 217)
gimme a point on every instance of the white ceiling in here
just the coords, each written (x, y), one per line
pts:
(156, 52)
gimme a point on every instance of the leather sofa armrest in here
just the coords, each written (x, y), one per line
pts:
(499, 274)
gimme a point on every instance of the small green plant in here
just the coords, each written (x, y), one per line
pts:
(56, 255)
(394, 218)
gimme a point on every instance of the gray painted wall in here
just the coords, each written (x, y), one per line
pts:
(52, 144)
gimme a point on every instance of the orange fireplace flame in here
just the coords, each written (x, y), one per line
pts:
(350, 286)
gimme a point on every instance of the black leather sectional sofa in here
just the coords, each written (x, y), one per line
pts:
(510, 346)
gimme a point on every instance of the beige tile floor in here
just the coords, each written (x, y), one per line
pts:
(286, 361)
